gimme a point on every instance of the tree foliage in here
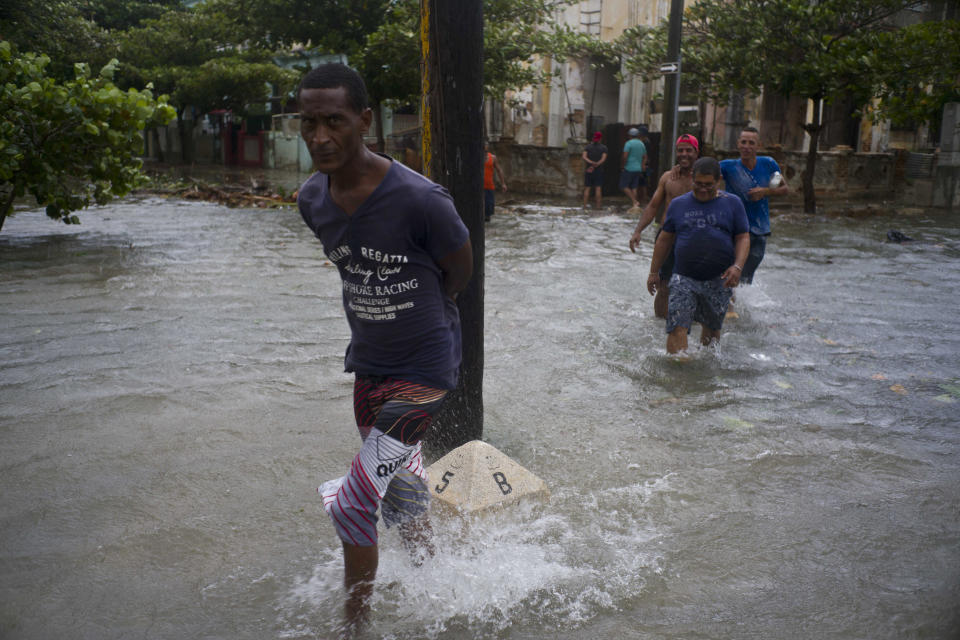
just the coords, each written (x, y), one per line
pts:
(516, 33)
(325, 26)
(118, 15)
(195, 58)
(73, 143)
(390, 58)
(826, 51)
(924, 75)
(59, 30)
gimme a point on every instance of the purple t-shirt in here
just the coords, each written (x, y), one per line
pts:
(402, 324)
(704, 247)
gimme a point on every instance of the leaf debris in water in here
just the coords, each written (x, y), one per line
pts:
(737, 423)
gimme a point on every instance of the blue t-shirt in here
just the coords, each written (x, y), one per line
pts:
(704, 247)
(738, 180)
(635, 150)
(402, 324)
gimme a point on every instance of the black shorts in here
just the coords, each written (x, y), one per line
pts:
(666, 269)
(593, 178)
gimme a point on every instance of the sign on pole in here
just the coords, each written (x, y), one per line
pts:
(669, 67)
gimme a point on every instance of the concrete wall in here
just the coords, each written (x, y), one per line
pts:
(844, 176)
(165, 142)
(283, 150)
(541, 170)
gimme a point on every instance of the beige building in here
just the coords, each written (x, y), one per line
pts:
(582, 97)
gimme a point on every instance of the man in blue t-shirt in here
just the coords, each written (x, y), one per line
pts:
(634, 162)
(403, 255)
(754, 178)
(708, 232)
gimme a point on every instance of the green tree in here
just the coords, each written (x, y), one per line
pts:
(516, 32)
(196, 58)
(58, 29)
(69, 144)
(324, 26)
(117, 15)
(814, 50)
(914, 85)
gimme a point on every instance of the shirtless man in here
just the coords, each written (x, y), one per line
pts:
(674, 182)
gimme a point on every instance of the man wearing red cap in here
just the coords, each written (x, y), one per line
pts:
(594, 155)
(674, 182)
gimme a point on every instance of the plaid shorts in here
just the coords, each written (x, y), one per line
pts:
(392, 417)
(703, 301)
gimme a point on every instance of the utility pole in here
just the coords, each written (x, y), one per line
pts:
(671, 89)
(451, 42)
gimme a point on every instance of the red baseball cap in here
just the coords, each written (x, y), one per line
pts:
(690, 140)
(597, 135)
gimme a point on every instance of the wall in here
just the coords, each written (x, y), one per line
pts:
(541, 170)
(283, 150)
(841, 176)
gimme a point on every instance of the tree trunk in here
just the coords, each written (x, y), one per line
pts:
(6, 206)
(451, 35)
(186, 155)
(161, 155)
(813, 128)
(378, 117)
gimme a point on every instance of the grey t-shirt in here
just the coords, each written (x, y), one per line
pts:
(402, 324)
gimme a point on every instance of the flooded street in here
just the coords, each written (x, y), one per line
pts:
(171, 394)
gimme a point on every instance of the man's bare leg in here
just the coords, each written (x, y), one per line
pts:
(586, 197)
(708, 335)
(599, 196)
(359, 572)
(416, 535)
(677, 340)
(661, 301)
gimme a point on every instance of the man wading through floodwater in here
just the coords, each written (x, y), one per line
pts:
(712, 238)
(403, 255)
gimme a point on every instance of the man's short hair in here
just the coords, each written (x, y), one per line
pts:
(749, 129)
(334, 75)
(707, 166)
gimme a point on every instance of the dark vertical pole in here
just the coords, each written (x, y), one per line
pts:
(671, 89)
(451, 39)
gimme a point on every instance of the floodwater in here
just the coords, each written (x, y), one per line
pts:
(171, 393)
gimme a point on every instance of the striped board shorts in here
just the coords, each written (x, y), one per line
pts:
(392, 417)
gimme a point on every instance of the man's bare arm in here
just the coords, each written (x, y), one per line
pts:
(650, 211)
(457, 267)
(741, 249)
(660, 252)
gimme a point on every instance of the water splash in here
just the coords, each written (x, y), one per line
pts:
(528, 563)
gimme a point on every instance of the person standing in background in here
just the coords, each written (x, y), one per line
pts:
(633, 162)
(490, 166)
(594, 155)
